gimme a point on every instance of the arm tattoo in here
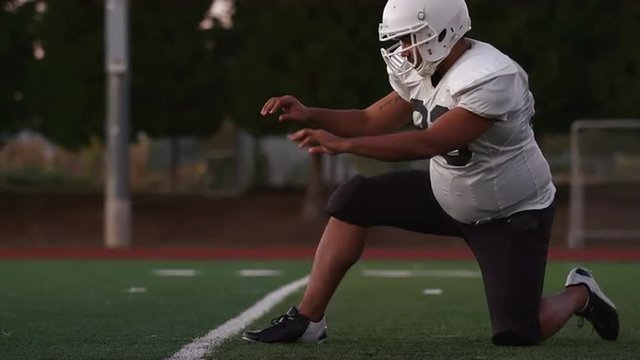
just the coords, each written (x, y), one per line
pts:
(389, 102)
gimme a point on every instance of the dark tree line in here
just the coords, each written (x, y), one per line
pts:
(581, 55)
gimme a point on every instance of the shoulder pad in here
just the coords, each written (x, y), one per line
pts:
(484, 63)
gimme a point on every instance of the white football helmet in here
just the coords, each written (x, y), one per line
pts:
(434, 25)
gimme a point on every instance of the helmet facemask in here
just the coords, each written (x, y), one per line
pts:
(401, 65)
(432, 28)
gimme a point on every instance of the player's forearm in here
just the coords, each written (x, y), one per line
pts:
(410, 145)
(343, 123)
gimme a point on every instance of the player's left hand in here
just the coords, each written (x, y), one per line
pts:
(319, 141)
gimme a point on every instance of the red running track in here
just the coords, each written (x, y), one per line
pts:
(601, 254)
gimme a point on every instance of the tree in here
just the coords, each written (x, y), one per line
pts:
(581, 56)
(178, 86)
(64, 87)
(324, 52)
(15, 52)
(178, 70)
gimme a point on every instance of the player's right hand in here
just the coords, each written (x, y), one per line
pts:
(292, 108)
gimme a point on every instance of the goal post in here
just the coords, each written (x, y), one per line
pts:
(605, 180)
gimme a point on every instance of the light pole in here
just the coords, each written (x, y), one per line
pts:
(117, 204)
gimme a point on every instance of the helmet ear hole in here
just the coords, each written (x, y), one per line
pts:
(442, 35)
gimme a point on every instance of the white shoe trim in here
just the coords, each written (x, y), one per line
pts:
(315, 332)
(574, 279)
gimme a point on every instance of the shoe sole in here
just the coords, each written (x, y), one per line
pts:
(253, 341)
(249, 340)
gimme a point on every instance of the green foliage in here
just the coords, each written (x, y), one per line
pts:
(321, 51)
(65, 89)
(15, 50)
(39, 179)
(177, 80)
(581, 55)
(178, 83)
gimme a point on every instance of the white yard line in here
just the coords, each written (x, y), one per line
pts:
(421, 273)
(175, 272)
(137, 290)
(435, 291)
(201, 346)
(259, 272)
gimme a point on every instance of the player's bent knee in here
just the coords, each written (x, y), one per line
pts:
(344, 204)
(512, 338)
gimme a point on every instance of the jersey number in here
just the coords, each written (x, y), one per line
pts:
(458, 157)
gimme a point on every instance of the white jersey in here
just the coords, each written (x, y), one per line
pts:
(503, 171)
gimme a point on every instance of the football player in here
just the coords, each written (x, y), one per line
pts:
(487, 182)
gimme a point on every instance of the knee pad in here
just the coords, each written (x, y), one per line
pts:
(345, 203)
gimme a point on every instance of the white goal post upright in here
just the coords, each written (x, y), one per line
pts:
(577, 232)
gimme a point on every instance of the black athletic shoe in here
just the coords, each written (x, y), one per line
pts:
(289, 328)
(600, 311)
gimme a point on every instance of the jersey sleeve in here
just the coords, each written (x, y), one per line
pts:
(494, 98)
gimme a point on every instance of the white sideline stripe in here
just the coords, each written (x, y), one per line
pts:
(199, 347)
(421, 273)
(175, 272)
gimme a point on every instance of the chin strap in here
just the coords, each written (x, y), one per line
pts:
(427, 69)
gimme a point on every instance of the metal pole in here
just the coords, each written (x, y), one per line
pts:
(117, 208)
(576, 203)
(577, 232)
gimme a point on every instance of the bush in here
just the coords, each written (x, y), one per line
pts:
(38, 179)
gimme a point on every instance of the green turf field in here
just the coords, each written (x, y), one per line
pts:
(121, 310)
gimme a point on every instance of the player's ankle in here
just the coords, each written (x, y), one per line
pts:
(310, 315)
(581, 292)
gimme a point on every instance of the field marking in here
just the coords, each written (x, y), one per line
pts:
(201, 346)
(435, 291)
(175, 272)
(421, 273)
(259, 273)
(137, 290)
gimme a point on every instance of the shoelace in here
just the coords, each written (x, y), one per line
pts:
(280, 319)
(581, 318)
